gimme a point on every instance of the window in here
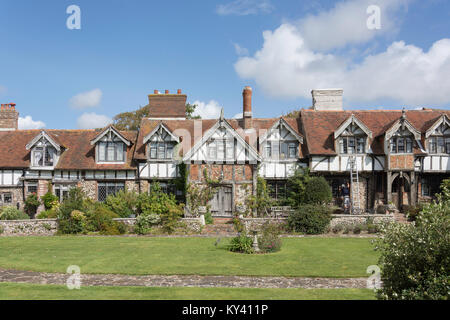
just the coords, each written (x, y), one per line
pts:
(111, 151)
(32, 187)
(161, 150)
(62, 191)
(401, 145)
(6, 198)
(281, 150)
(277, 189)
(109, 188)
(220, 149)
(43, 156)
(352, 145)
(439, 145)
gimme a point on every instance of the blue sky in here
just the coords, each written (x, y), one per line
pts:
(124, 50)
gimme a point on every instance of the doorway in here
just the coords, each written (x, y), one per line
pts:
(222, 202)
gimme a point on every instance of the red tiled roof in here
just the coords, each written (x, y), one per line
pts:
(78, 153)
(319, 126)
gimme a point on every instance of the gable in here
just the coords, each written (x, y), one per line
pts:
(161, 134)
(222, 131)
(352, 127)
(110, 134)
(42, 139)
(281, 130)
(440, 127)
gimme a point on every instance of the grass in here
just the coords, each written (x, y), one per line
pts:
(10, 291)
(300, 257)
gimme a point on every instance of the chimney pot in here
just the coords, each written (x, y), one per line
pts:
(155, 92)
(179, 91)
(167, 91)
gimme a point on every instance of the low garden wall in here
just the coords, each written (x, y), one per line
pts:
(49, 227)
(337, 219)
(44, 227)
(347, 219)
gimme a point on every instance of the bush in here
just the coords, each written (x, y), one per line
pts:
(347, 229)
(415, 258)
(317, 191)
(47, 214)
(357, 229)
(297, 187)
(68, 223)
(242, 244)
(412, 212)
(310, 219)
(145, 222)
(100, 219)
(31, 204)
(269, 238)
(123, 203)
(372, 228)
(49, 199)
(337, 228)
(11, 213)
(208, 218)
(170, 219)
(238, 225)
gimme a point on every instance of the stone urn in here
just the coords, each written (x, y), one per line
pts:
(202, 212)
(255, 240)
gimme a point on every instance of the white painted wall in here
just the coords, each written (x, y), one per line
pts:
(10, 177)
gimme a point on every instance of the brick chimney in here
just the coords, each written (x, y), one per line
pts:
(247, 107)
(327, 99)
(167, 105)
(9, 117)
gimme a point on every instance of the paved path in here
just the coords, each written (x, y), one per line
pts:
(182, 280)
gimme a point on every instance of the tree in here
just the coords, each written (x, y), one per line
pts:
(132, 120)
(292, 114)
(297, 187)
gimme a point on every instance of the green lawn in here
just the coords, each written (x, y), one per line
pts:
(301, 257)
(10, 291)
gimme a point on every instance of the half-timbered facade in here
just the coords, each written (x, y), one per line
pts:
(401, 156)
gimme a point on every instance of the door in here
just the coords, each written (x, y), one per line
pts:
(221, 203)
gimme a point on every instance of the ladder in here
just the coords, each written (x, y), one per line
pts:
(354, 180)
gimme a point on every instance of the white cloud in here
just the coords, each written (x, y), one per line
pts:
(28, 123)
(210, 110)
(240, 51)
(404, 73)
(93, 121)
(245, 7)
(238, 116)
(88, 99)
(346, 23)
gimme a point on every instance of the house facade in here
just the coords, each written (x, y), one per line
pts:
(401, 156)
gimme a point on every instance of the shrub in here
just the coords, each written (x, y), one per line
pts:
(347, 229)
(357, 229)
(170, 219)
(47, 214)
(2, 229)
(269, 238)
(372, 228)
(317, 191)
(337, 228)
(11, 213)
(208, 218)
(310, 219)
(415, 258)
(67, 223)
(49, 199)
(31, 204)
(242, 243)
(100, 219)
(74, 224)
(145, 222)
(261, 201)
(412, 212)
(297, 187)
(123, 203)
(238, 225)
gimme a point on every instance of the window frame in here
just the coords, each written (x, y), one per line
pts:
(407, 143)
(352, 142)
(48, 159)
(109, 185)
(105, 147)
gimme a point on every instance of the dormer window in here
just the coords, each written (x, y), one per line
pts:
(439, 140)
(352, 137)
(43, 156)
(401, 145)
(111, 146)
(44, 151)
(220, 149)
(161, 150)
(111, 151)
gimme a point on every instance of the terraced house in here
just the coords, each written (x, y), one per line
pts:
(399, 157)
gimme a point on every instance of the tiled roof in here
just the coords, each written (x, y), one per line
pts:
(78, 152)
(319, 126)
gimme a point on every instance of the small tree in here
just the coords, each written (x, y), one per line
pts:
(123, 203)
(415, 258)
(199, 196)
(260, 202)
(49, 199)
(297, 187)
(310, 219)
(317, 191)
(32, 203)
